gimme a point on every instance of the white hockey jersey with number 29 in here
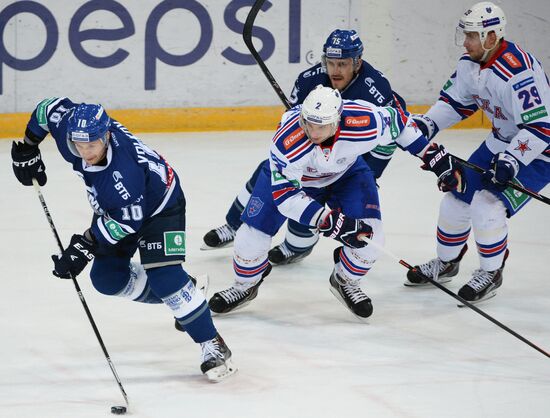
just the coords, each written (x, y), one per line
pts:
(513, 91)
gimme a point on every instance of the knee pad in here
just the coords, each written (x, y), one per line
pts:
(454, 214)
(167, 280)
(251, 244)
(488, 213)
(110, 275)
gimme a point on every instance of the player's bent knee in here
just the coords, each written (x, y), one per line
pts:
(487, 208)
(251, 243)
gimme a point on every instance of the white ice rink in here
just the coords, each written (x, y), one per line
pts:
(300, 353)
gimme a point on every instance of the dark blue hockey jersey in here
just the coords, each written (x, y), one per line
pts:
(369, 85)
(135, 184)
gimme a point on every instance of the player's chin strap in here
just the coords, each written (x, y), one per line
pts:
(454, 295)
(80, 295)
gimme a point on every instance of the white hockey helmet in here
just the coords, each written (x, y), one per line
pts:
(482, 17)
(322, 106)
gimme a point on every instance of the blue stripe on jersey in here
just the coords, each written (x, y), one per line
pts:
(540, 130)
(309, 212)
(463, 110)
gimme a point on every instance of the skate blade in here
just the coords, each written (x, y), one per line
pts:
(206, 247)
(428, 284)
(339, 297)
(488, 296)
(217, 374)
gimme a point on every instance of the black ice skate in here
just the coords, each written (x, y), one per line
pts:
(220, 237)
(436, 269)
(216, 359)
(350, 294)
(483, 285)
(231, 299)
(281, 254)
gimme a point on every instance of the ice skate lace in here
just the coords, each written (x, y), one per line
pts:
(232, 295)
(480, 280)
(225, 233)
(211, 350)
(432, 268)
(354, 292)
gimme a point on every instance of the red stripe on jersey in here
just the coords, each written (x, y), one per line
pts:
(277, 194)
(525, 57)
(503, 70)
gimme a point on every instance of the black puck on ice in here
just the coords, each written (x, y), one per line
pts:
(118, 410)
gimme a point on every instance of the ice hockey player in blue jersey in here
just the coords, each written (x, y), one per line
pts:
(316, 176)
(342, 68)
(138, 203)
(510, 86)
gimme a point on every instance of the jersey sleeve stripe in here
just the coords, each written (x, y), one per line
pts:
(463, 110)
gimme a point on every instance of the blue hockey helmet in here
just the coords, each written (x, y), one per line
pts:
(88, 123)
(343, 44)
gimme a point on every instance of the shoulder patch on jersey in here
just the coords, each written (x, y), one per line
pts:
(523, 83)
(356, 121)
(41, 111)
(511, 60)
(292, 138)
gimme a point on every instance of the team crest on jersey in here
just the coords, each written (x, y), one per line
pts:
(523, 147)
(294, 137)
(357, 121)
(510, 59)
(254, 207)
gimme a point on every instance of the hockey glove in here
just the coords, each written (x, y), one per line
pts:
(74, 258)
(504, 168)
(27, 163)
(345, 229)
(448, 171)
(426, 125)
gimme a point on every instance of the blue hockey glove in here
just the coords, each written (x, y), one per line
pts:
(347, 230)
(448, 171)
(74, 258)
(27, 163)
(504, 168)
(426, 125)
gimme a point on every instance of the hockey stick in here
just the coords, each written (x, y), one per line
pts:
(80, 295)
(247, 36)
(514, 186)
(461, 300)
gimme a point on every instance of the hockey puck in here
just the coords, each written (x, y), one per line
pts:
(118, 410)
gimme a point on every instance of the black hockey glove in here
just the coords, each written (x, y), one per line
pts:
(74, 258)
(347, 230)
(27, 163)
(448, 171)
(504, 168)
(426, 125)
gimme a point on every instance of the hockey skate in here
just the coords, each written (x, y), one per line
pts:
(220, 237)
(436, 269)
(231, 299)
(483, 285)
(281, 254)
(216, 359)
(350, 294)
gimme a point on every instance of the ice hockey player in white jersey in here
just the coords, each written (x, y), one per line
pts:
(138, 204)
(510, 86)
(315, 160)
